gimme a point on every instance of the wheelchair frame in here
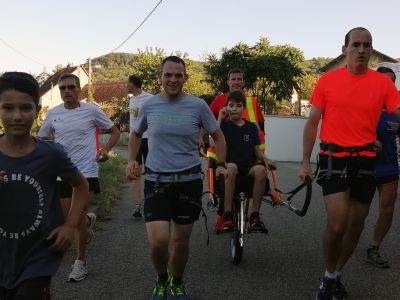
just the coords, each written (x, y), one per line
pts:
(241, 206)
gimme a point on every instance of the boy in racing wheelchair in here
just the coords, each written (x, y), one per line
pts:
(244, 158)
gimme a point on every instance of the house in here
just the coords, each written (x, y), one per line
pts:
(106, 91)
(49, 92)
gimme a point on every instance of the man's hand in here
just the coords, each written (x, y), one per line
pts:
(133, 170)
(63, 236)
(305, 170)
(102, 155)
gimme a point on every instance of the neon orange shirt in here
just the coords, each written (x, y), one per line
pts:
(351, 105)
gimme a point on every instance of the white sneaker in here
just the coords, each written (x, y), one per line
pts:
(79, 271)
(92, 221)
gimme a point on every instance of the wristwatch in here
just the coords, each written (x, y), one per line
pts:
(222, 164)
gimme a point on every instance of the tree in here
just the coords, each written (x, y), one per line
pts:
(271, 72)
(57, 68)
(146, 66)
(307, 85)
(42, 77)
(313, 65)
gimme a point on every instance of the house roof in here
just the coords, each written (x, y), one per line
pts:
(334, 61)
(53, 80)
(105, 92)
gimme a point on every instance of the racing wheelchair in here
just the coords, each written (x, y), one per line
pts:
(242, 199)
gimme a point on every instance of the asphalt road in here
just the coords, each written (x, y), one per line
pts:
(286, 264)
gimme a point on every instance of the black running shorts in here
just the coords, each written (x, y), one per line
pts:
(179, 202)
(65, 190)
(362, 186)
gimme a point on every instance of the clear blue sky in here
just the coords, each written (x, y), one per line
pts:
(59, 32)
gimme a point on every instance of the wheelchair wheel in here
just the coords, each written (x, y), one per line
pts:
(237, 236)
(236, 248)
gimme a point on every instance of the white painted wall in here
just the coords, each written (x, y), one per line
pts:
(284, 138)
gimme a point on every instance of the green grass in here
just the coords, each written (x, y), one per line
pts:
(112, 178)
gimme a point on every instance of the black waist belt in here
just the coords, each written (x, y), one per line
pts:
(192, 170)
(332, 148)
(335, 148)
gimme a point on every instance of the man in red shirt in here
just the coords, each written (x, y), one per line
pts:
(350, 99)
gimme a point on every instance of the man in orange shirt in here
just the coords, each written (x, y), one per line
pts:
(350, 99)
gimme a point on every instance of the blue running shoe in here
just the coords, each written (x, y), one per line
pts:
(178, 292)
(160, 290)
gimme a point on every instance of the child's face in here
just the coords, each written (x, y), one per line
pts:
(235, 110)
(17, 112)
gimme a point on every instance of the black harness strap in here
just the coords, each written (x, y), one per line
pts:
(182, 196)
(332, 148)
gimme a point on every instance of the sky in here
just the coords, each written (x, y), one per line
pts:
(41, 34)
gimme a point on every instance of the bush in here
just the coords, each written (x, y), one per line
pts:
(112, 178)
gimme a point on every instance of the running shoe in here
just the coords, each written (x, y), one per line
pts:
(326, 290)
(218, 224)
(227, 225)
(256, 224)
(340, 291)
(160, 289)
(178, 291)
(375, 259)
(137, 213)
(79, 271)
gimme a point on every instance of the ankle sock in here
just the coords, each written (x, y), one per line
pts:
(330, 275)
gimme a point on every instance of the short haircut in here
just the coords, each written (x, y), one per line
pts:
(175, 59)
(236, 97)
(235, 71)
(347, 36)
(21, 82)
(136, 81)
(70, 75)
(386, 70)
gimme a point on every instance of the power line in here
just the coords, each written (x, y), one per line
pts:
(20, 53)
(137, 27)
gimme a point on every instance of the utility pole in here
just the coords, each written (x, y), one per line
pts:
(90, 98)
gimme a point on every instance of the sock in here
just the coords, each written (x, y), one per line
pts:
(162, 278)
(176, 280)
(330, 275)
(137, 206)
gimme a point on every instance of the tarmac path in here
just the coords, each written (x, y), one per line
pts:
(286, 264)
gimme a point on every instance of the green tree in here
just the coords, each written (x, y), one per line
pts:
(271, 72)
(307, 84)
(57, 68)
(146, 66)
